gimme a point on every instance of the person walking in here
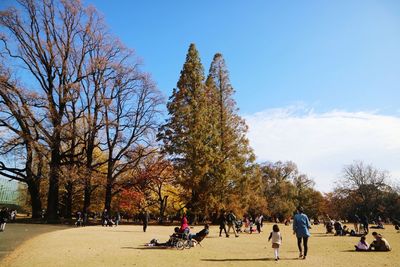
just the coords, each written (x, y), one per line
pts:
(145, 220)
(365, 223)
(4, 216)
(222, 224)
(231, 219)
(117, 218)
(356, 221)
(276, 240)
(104, 218)
(301, 226)
(258, 222)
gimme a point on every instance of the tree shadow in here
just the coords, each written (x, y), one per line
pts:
(244, 260)
(362, 251)
(323, 235)
(146, 248)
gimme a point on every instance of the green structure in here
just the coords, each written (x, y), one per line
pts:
(8, 192)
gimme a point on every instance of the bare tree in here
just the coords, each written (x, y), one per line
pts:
(106, 50)
(362, 185)
(52, 41)
(20, 133)
(130, 112)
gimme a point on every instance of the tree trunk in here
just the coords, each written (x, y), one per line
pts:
(53, 195)
(87, 195)
(36, 202)
(107, 204)
(68, 200)
(163, 205)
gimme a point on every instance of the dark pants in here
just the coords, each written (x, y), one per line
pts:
(366, 228)
(222, 227)
(305, 244)
(258, 228)
(144, 226)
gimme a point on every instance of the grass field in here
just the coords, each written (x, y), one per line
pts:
(124, 246)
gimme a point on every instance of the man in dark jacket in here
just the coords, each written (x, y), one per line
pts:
(4, 216)
(222, 223)
(145, 220)
(365, 223)
(231, 219)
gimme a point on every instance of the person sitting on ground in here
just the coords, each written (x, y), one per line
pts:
(338, 228)
(362, 245)
(329, 227)
(380, 243)
(380, 223)
(248, 226)
(396, 224)
(346, 230)
(154, 242)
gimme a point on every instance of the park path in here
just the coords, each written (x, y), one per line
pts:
(16, 233)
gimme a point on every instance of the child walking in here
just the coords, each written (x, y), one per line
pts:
(276, 240)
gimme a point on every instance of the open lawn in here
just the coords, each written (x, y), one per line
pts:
(124, 246)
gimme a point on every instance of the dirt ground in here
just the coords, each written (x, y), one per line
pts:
(124, 246)
(17, 233)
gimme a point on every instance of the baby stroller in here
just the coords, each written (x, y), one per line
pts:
(238, 226)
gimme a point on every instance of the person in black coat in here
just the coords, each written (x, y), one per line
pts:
(105, 217)
(4, 216)
(222, 223)
(365, 223)
(145, 220)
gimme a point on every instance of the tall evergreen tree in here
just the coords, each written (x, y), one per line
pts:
(233, 169)
(186, 134)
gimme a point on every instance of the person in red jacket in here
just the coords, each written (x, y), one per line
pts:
(184, 225)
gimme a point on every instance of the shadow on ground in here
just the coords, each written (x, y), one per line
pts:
(258, 259)
(146, 248)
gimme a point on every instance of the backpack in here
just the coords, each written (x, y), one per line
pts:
(230, 218)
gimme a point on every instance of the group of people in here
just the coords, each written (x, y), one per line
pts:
(249, 223)
(6, 215)
(182, 232)
(379, 244)
(361, 226)
(301, 227)
(108, 220)
(230, 220)
(227, 219)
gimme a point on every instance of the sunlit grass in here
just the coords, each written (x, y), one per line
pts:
(123, 246)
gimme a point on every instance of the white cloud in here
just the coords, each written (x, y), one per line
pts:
(322, 143)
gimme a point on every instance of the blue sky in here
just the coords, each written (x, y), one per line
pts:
(328, 54)
(318, 82)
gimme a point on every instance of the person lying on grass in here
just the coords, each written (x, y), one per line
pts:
(169, 243)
